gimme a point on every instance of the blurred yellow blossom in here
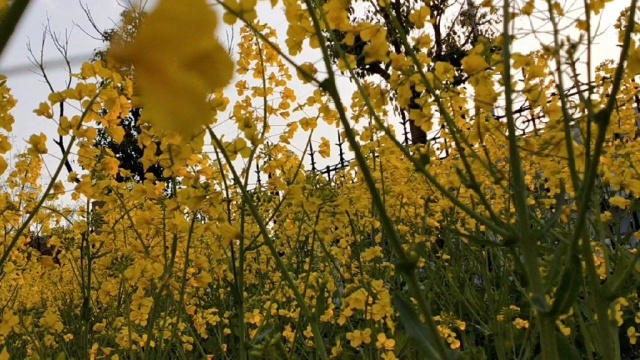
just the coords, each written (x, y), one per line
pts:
(520, 323)
(178, 63)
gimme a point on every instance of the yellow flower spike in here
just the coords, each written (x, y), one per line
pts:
(178, 63)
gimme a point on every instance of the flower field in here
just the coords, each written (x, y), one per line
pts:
(507, 228)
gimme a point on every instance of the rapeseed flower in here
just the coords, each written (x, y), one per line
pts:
(178, 63)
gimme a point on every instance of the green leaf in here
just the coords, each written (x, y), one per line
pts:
(555, 265)
(619, 284)
(417, 331)
(320, 301)
(569, 288)
(566, 351)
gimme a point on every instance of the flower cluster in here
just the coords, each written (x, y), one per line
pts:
(508, 239)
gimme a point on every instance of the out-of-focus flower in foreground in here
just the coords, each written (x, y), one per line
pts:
(177, 63)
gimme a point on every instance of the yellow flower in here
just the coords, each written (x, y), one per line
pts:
(9, 320)
(336, 351)
(337, 15)
(565, 330)
(178, 63)
(618, 310)
(474, 64)
(606, 216)
(308, 123)
(5, 145)
(38, 144)
(520, 323)
(372, 253)
(633, 336)
(419, 17)
(444, 71)
(620, 202)
(384, 343)
(47, 262)
(254, 317)
(288, 334)
(325, 148)
(527, 9)
(378, 47)
(140, 308)
(245, 9)
(44, 110)
(52, 322)
(203, 279)
(357, 300)
(357, 337)
(558, 8)
(238, 146)
(389, 355)
(110, 165)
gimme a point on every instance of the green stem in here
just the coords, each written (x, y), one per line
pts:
(407, 265)
(527, 244)
(322, 353)
(10, 21)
